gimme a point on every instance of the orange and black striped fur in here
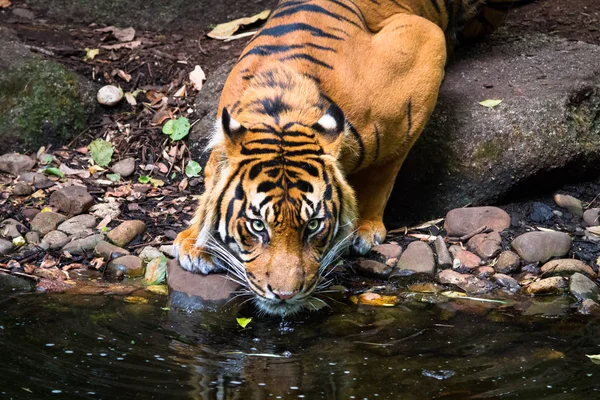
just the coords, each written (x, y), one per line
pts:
(314, 123)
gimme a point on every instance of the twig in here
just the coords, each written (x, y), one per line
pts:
(21, 274)
(135, 246)
(41, 50)
(464, 238)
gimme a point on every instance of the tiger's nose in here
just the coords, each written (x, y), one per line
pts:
(285, 295)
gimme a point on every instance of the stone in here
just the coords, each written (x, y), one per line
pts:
(130, 265)
(508, 262)
(22, 189)
(506, 282)
(11, 283)
(125, 167)
(32, 237)
(591, 217)
(149, 253)
(462, 221)
(80, 246)
(567, 267)
(486, 245)
(416, 259)
(388, 250)
(123, 234)
(11, 228)
(582, 287)
(6, 247)
(47, 221)
(572, 204)
(79, 223)
(466, 258)
(14, 163)
(30, 213)
(541, 246)
(72, 200)
(109, 251)
(168, 250)
(23, 13)
(39, 181)
(55, 239)
(426, 287)
(443, 255)
(552, 285)
(541, 213)
(374, 268)
(589, 307)
(485, 271)
(109, 95)
(469, 283)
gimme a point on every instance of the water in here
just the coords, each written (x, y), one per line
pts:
(95, 347)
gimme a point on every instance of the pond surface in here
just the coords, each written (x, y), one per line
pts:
(95, 347)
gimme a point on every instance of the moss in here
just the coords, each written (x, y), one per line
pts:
(488, 151)
(41, 101)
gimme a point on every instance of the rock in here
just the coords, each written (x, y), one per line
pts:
(109, 95)
(572, 204)
(591, 217)
(469, 283)
(168, 250)
(32, 237)
(11, 228)
(109, 251)
(508, 262)
(72, 200)
(374, 268)
(583, 288)
(416, 259)
(10, 283)
(388, 250)
(125, 167)
(426, 287)
(552, 285)
(6, 247)
(22, 189)
(466, 258)
(462, 221)
(130, 265)
(443, 255)
(39, 181)
(541, 213)
(485, 271)
(79, 223)
(589, 307)
(45, 222)
(149, 253)
(55, 239)
(567, 267)
(126, 232)
(486, 245)
(14, 163)
(541, 246)
(30, 213)
(23, 13)
(506, 282)
(79, 246)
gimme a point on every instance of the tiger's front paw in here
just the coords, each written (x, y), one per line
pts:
(191, 257)
(368, 234)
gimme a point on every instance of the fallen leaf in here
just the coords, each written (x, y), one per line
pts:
(94, 169)
(163, 168)
(90, 54)
(177, 129)
(192, 169)
(161, 116)
(595, 358)
(110, 209)
(101, 152)
(156, 182)
(82, 173)
(490, 103)
(19, 241)
(162, 290)
(135, 300)
(129, 45)
(48, 261)
(183, 184)
(113, 177)
(225, 30)
(130, 99)
(54, 171)
(374, 299)
(124, 35)
(144, 179)
(197, 77)
(39, 194)
(180, 92)
(124, 75)
(5, 3)
(156, 271)
(243, 322)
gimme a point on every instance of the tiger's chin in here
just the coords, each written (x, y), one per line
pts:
(282, 308)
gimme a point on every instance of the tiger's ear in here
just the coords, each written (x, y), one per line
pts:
(231, 128)
(332, 123)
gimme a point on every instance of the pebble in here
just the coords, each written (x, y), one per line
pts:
(130, 265)
(23, 13)
(552, 285)
(506, 282)
(591, 217)
(508, 262)
(567, 267)
(583, 287)
(541, 246)
(109, 251)
(125, 167)
(486, 245)
(14, 163)
(416, 259)
(388, 250)
(426, 287)
(168, 249)
(443, 255)
(39, 181)
(467, 282)
(84, 245)
(30, 213)
(22, 189)
(541, 213)
(11, 228)
(374, 268)
(123, 234)
(572, 204)
(47, 221)
(77, 224)
(32, 237)
(485, 271)
(466, 258)
(149, 253)
(6, 247)
(72, 200)
(109, 95)
(462, 221)
(589, 307)
(55, 239)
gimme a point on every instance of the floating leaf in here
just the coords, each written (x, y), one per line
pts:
(156, 271)
(490, 103)
(144, 179)
(90, 54)
(54, 171)
(192, 169)
(177, 129)
(162, 290)
(101, 152)
(114, 177)
(135, 300)
(224, 31)
(595, 358)
(243, 322)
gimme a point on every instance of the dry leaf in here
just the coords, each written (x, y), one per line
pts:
(128, 45)
(490, 103)
(181, 92)
(183, 184)
(124, 35)
(130, 99)
(82, 173)
(124, 75)
(224, 31)
(197, 76)
(5, 3)
(161, 117)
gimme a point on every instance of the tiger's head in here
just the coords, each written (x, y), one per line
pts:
(280, 209)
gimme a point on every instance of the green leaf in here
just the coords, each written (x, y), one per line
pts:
(177, 129)
(192, 169)
(243, 322)
(144, 179)
(156, 271)
(101, 152)
(173, 175)
(114, 177)
(594, 358)
(47, 159)
(156, 182)
(490, 103)
(54, 171)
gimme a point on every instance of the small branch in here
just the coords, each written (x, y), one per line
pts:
(464, 238)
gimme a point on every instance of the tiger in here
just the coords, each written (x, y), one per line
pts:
(313, 125)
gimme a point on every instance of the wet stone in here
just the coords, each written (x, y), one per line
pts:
(589, 307)
(443, 255)
(45, 222)
(14, 163)
(6, 247)
(582, 287)
(55, 239)
(11, 228)
(22, 189)
(508, 262)
(72, 200)
(426, 287)
(130, 265)
(541, 246)
(591, 217)
(109, 251)
(469, 283)
(572, 204)
(541, 213)
(485, 245)
(11, 283)
(462, 221)
(39, 181)
(149, 253)
(416, 259)
(466, 258)
(485, 272)
(123, 234)
(374, 268)
(552, 285)
(567, 267)
(79, 223)
(84, 245)
(125, 167)
(30, 213)
(506, 282)
(168, 250)
(32, 237)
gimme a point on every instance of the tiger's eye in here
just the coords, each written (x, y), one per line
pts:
(258, 225)
(313, 225)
